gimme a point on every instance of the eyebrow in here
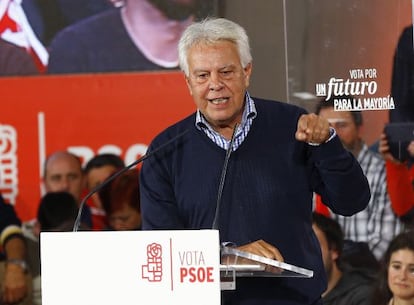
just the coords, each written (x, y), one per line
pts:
(401, 263)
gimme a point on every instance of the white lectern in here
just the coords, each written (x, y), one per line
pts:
(236, 263)
(183, 267)
(130, 267)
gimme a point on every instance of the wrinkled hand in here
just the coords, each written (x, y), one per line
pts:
(312, 129)
(15, 284)
(262, 248)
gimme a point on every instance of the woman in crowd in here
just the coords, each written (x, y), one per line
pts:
(120, 200)
(395, 284)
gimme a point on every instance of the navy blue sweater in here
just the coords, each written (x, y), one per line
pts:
(267, 195)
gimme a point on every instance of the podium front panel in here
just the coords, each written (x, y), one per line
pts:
(130, 267)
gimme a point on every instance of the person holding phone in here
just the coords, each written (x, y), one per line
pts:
(400, 181)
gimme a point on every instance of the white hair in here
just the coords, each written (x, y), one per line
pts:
(212, 30)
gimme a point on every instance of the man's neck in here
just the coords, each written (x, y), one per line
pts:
(153, 33)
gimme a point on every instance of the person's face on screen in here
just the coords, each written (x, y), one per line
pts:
(345, 127)
(401, 274)
(176, 9)
(63, 172)
(218, 82)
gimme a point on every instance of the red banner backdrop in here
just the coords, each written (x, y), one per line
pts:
(85, 114)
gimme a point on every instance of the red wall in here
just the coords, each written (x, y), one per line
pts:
(84, 114)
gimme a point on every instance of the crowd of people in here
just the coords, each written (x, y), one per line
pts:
(297, 187)
(66, 182)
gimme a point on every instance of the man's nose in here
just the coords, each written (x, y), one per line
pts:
(215, 82)
(64, 185)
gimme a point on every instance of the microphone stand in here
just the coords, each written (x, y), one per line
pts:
(215, 225)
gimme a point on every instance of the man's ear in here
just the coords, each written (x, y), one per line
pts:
(248, 73)
(187, 81)
(334, 254)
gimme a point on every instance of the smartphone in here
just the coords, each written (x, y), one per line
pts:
(399, 136)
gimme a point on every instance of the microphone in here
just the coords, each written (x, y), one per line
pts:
(215, 225)
(118, 173)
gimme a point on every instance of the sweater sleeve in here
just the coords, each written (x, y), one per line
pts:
(400, 187)
(342, 184)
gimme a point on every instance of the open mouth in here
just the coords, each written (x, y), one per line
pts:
(218, 101)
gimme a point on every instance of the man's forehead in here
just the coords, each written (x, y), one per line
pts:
(55, 172)
(63, 158)
(63, 166)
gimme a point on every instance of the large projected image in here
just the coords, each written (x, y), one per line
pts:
(85, 36)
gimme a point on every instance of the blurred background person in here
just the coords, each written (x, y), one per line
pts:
(395, 284)
(142, 35)
(377, 224)
(57, 211)
(15, 280)
(400, 182)
(402, 85)
(346, 285)
(62, 172)
(97, 170)
(402, 91)
(121, 202)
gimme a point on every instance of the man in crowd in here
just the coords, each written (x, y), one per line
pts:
(377, 224)
(346, 285)
(62, 172)
(96, 171)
